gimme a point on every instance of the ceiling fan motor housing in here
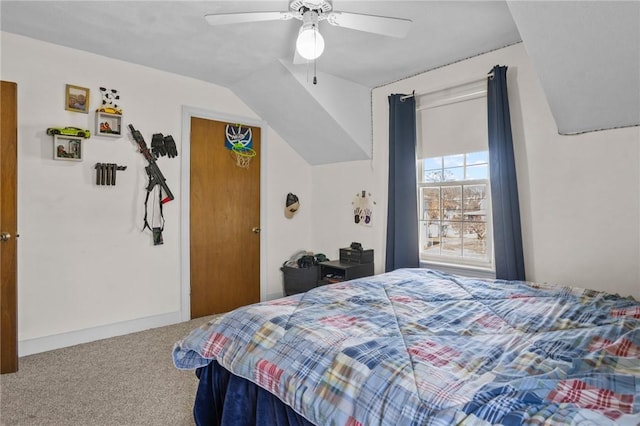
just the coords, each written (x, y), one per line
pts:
(319, 6)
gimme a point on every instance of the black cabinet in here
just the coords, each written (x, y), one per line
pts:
(299, 280)
(334, 271)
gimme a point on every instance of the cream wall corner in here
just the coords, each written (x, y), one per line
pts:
(579, 195)
(84, 268)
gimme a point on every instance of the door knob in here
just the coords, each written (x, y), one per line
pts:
(255, 230)
(5, 236)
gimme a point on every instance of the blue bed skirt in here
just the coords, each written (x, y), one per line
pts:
(228, 400)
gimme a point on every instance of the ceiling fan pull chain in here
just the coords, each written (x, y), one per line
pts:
(315, 61)
(315, 79)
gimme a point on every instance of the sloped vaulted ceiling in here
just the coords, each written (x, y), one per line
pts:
(571, 45)
(587, 56)
(326, 123)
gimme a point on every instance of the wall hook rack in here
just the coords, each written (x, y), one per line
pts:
(106, 173)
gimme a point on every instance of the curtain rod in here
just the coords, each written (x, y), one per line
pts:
(450, 86)
(453, 100)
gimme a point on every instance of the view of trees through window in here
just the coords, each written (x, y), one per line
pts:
(455, 209)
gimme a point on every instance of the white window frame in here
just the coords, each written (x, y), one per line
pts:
(457, 265)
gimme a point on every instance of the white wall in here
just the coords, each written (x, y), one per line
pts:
(579, 195)
(85, 270)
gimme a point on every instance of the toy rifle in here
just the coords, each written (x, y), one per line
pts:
(155, 178)
(155, 175)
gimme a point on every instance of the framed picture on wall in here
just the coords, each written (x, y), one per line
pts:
(76, 99)
(67, 148)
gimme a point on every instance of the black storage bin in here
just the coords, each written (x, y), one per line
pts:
(348, 255)
(299, 280)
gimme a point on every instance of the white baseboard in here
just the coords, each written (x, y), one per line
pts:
(63, 340)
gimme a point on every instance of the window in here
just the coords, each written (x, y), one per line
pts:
(455, 209)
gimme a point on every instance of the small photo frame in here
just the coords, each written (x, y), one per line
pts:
(76, 99)
(67, 148)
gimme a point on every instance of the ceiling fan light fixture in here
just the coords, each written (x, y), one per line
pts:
(310, 43)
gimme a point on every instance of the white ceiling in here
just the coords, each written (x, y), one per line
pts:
(587, 55)
(255, 59)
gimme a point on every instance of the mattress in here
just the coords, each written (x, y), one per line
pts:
(421, 347)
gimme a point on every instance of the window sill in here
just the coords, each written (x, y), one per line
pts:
(464, 270)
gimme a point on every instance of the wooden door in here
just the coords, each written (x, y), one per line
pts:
(224, 222)
(8, 227)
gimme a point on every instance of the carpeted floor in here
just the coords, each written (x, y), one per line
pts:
(127, 380)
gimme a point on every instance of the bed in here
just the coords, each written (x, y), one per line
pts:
(420, 347)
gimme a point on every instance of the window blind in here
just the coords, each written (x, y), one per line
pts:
(452, 121)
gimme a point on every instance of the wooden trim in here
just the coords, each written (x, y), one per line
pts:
(8, 224)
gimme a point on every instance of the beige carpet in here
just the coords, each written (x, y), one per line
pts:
(127, 380)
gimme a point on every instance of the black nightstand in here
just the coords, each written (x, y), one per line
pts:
(334, 271)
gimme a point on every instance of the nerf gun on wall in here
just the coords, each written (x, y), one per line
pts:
(155, 178)
(155, 175)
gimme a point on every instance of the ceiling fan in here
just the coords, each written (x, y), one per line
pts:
(310, 44)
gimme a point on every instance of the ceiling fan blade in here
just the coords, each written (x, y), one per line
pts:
(239, 18)
(384, 25)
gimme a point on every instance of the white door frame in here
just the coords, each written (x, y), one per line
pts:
(185, 191)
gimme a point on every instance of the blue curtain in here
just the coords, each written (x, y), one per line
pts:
(402, 220)
(507, 236)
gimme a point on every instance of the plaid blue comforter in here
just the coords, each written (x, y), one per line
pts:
(420, 347)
